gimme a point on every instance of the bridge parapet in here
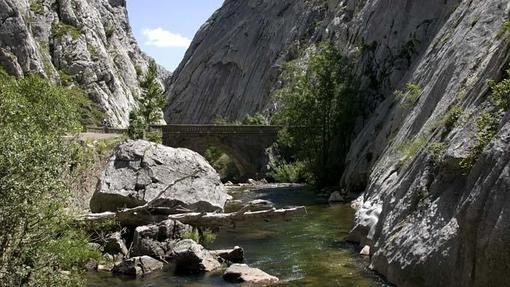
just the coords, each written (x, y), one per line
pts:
(220, 129)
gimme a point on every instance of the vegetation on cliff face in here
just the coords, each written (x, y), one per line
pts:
(319, 105)
(37, 241)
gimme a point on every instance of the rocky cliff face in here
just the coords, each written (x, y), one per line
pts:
(432, 164)
(87, 42)
(235, 57)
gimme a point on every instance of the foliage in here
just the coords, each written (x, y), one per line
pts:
(500, 93)
(411, 148)
(192, 234)
(203, 237)
(61, 29)
(223, 164)
(37, 7)
(437, 150)
(452, 116)
(256, 120)
(295, 172)
(91, 114)
(150, 105)
(505, 29)
(319, 105)
(487, 127)
(410, 95)
(34, 165)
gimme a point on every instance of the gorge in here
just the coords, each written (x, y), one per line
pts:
(428, 166)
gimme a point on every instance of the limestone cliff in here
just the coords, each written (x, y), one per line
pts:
(435, 205)
(87, 42)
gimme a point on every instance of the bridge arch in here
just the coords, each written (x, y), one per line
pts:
(245, 145)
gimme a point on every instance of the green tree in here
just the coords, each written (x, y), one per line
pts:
(319, 105)
(150, 105)
(35, 164)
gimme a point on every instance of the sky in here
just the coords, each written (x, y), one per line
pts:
(164, 28)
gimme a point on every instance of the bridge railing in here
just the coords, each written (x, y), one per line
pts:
(219, 129)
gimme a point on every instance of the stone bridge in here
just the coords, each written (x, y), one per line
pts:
(245, 145)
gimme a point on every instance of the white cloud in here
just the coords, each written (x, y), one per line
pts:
(162, 38)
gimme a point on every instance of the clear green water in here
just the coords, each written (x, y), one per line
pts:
(307, 251)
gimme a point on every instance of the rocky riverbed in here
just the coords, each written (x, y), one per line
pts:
(307, 251)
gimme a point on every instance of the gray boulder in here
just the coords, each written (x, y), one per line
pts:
(192, 258)
(235, 255)
(242, 273)
(159, 239)
(139, 170)
(138, 266)
(115, 245)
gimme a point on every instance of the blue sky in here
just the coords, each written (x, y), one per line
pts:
(164, 28)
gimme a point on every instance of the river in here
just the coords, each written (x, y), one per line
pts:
(306, 251)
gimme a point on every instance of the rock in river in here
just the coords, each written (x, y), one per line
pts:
(192, 258)
(242, 273)
(159, 239)
(139, 170)
(138, 266)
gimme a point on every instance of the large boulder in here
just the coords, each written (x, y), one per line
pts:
(139, 170)
(138, 266)
(159, 239)
(192, 258)
(242, 273)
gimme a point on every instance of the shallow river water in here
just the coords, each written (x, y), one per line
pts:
(306, 251)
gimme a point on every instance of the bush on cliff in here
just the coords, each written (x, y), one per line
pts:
(34, 164)
(319, 104)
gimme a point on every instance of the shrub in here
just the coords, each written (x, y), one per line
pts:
(411, 148)
(296, 172)
(505, 29)
(37, 7)
(62, 29)
(256, 120)
(437, 150)
(223, 164)
(203, 237)
(487, 127)
(36, 242)
(500, 93)
(90, 113)
(410, 95)
(452, 116)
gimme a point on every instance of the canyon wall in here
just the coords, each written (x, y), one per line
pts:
(431, 162)
(88, 43)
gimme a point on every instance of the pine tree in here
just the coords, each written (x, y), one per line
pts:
(150, 105)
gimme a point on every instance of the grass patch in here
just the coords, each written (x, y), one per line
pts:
(91, 114)
(37, 7)
(410, 149)
(62, 29)
(410, 95)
